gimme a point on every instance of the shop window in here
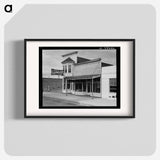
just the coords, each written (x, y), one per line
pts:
(113, 84)
(68, 84)
(78, 86)
(96, 85)
(84, 86)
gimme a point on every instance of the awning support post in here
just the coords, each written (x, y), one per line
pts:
(92, 87)
(66, 86)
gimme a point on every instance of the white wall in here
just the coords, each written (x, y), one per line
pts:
(74, 136)
(107, 72)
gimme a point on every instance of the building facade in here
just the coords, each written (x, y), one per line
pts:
(91, 77)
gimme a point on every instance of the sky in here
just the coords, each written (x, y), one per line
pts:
(53, 58)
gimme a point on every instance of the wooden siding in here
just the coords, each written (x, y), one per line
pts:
(87, 69)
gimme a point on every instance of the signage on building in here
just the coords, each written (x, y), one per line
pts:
(56, 72)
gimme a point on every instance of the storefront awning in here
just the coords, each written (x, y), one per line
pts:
(82, 77)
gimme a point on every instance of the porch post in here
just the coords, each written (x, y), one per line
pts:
(100, 86)
(82, 86)
(86, 86)
(62, 84)
(66, 86)
(92, 87)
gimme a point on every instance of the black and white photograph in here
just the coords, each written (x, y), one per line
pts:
(84, 77)
(79, 78)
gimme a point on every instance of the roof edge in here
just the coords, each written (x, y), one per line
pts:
(64, 55)
(93, 60)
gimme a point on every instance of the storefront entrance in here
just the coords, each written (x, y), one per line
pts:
(83, 86)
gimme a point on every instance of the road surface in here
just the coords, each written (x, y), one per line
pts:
(50, 101)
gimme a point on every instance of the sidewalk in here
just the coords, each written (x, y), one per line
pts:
(83, 100)
(99, 102)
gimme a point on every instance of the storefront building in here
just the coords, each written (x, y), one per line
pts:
(83, 76)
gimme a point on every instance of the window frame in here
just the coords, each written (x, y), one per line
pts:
(69, 68)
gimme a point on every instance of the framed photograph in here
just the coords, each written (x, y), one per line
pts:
(79, 78)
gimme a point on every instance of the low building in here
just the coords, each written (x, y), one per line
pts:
(53, 82)
(82, 76)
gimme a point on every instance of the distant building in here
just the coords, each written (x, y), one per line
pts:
(83, 76)
(56, 73)
(53, 81)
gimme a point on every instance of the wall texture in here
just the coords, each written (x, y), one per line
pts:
(81, 136)
(52, 84)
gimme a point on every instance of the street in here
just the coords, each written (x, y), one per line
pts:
(50, 101)
(61, 99)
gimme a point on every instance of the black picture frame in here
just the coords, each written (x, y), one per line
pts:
(78, 107)
(25, 76)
